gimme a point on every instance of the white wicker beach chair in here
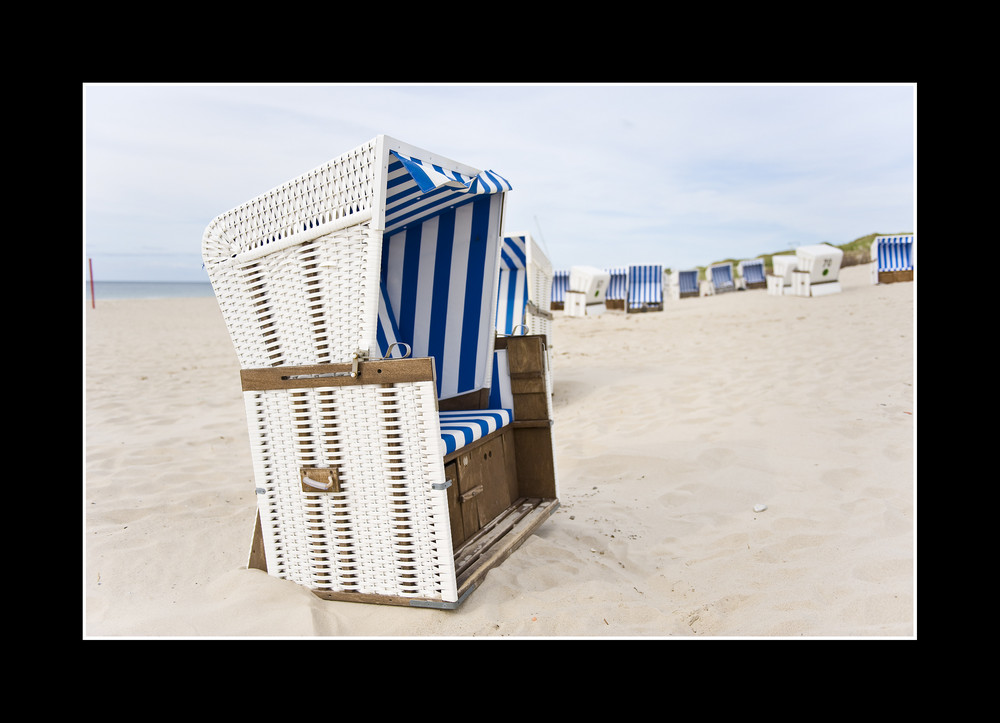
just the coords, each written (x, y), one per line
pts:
(360, 297)
(752, 272)
(588, 287)
(779, 281)
(645, 288)
(817, 270)
(892, 259)
(721, 276)
(525, 288)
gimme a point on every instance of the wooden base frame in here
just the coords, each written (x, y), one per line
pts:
(892, 277)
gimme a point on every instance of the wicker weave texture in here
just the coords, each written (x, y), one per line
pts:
(334, 194)
(387, 531)
(313, 302)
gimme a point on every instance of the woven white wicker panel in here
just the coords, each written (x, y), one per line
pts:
(332, 195)
(312, 302)
(387, 531)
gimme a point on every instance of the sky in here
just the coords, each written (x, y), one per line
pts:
(603, 175)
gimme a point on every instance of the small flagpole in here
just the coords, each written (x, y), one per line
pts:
(90, 262)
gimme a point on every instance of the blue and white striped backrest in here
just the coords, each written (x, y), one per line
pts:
(618, 287)
(753, 271)
(895, 253)
(439, 278)
(560, 285)
(688, 281)
(512, 294)
(645, 285)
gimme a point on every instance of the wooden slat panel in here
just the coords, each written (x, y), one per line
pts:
(386, 371)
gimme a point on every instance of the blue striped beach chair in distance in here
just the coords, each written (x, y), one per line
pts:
(560, 285)
(525, 289)
(721, 276)
(752, 272)
(617, 293)
(687, 283)
(361, 299)
(645, 288)
(892, 258)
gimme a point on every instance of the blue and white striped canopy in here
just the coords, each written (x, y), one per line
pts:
(895, 253)
(415, 189)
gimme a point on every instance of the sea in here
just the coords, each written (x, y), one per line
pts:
(106, 290)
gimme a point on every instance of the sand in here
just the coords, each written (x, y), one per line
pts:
(670, 429)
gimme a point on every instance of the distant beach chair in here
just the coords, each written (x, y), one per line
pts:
(587, 289)
(817, 270)
(400, 450)
(779, 281)
(560, 285)
(752, 272)
(721, 276)
(645, 288)
(617, 292)
(687, 283)
(892, 259)
(525, 288)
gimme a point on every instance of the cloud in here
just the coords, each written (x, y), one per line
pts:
(604, 174)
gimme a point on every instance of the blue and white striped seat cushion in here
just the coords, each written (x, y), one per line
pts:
(460, 428)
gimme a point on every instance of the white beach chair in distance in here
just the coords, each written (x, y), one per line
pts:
(817, 270)
(752, 272)
(779, 281)
(892, 258)
(587, 289)
(396, 456)
(645, 288)
(525, 289)
(721, 276)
